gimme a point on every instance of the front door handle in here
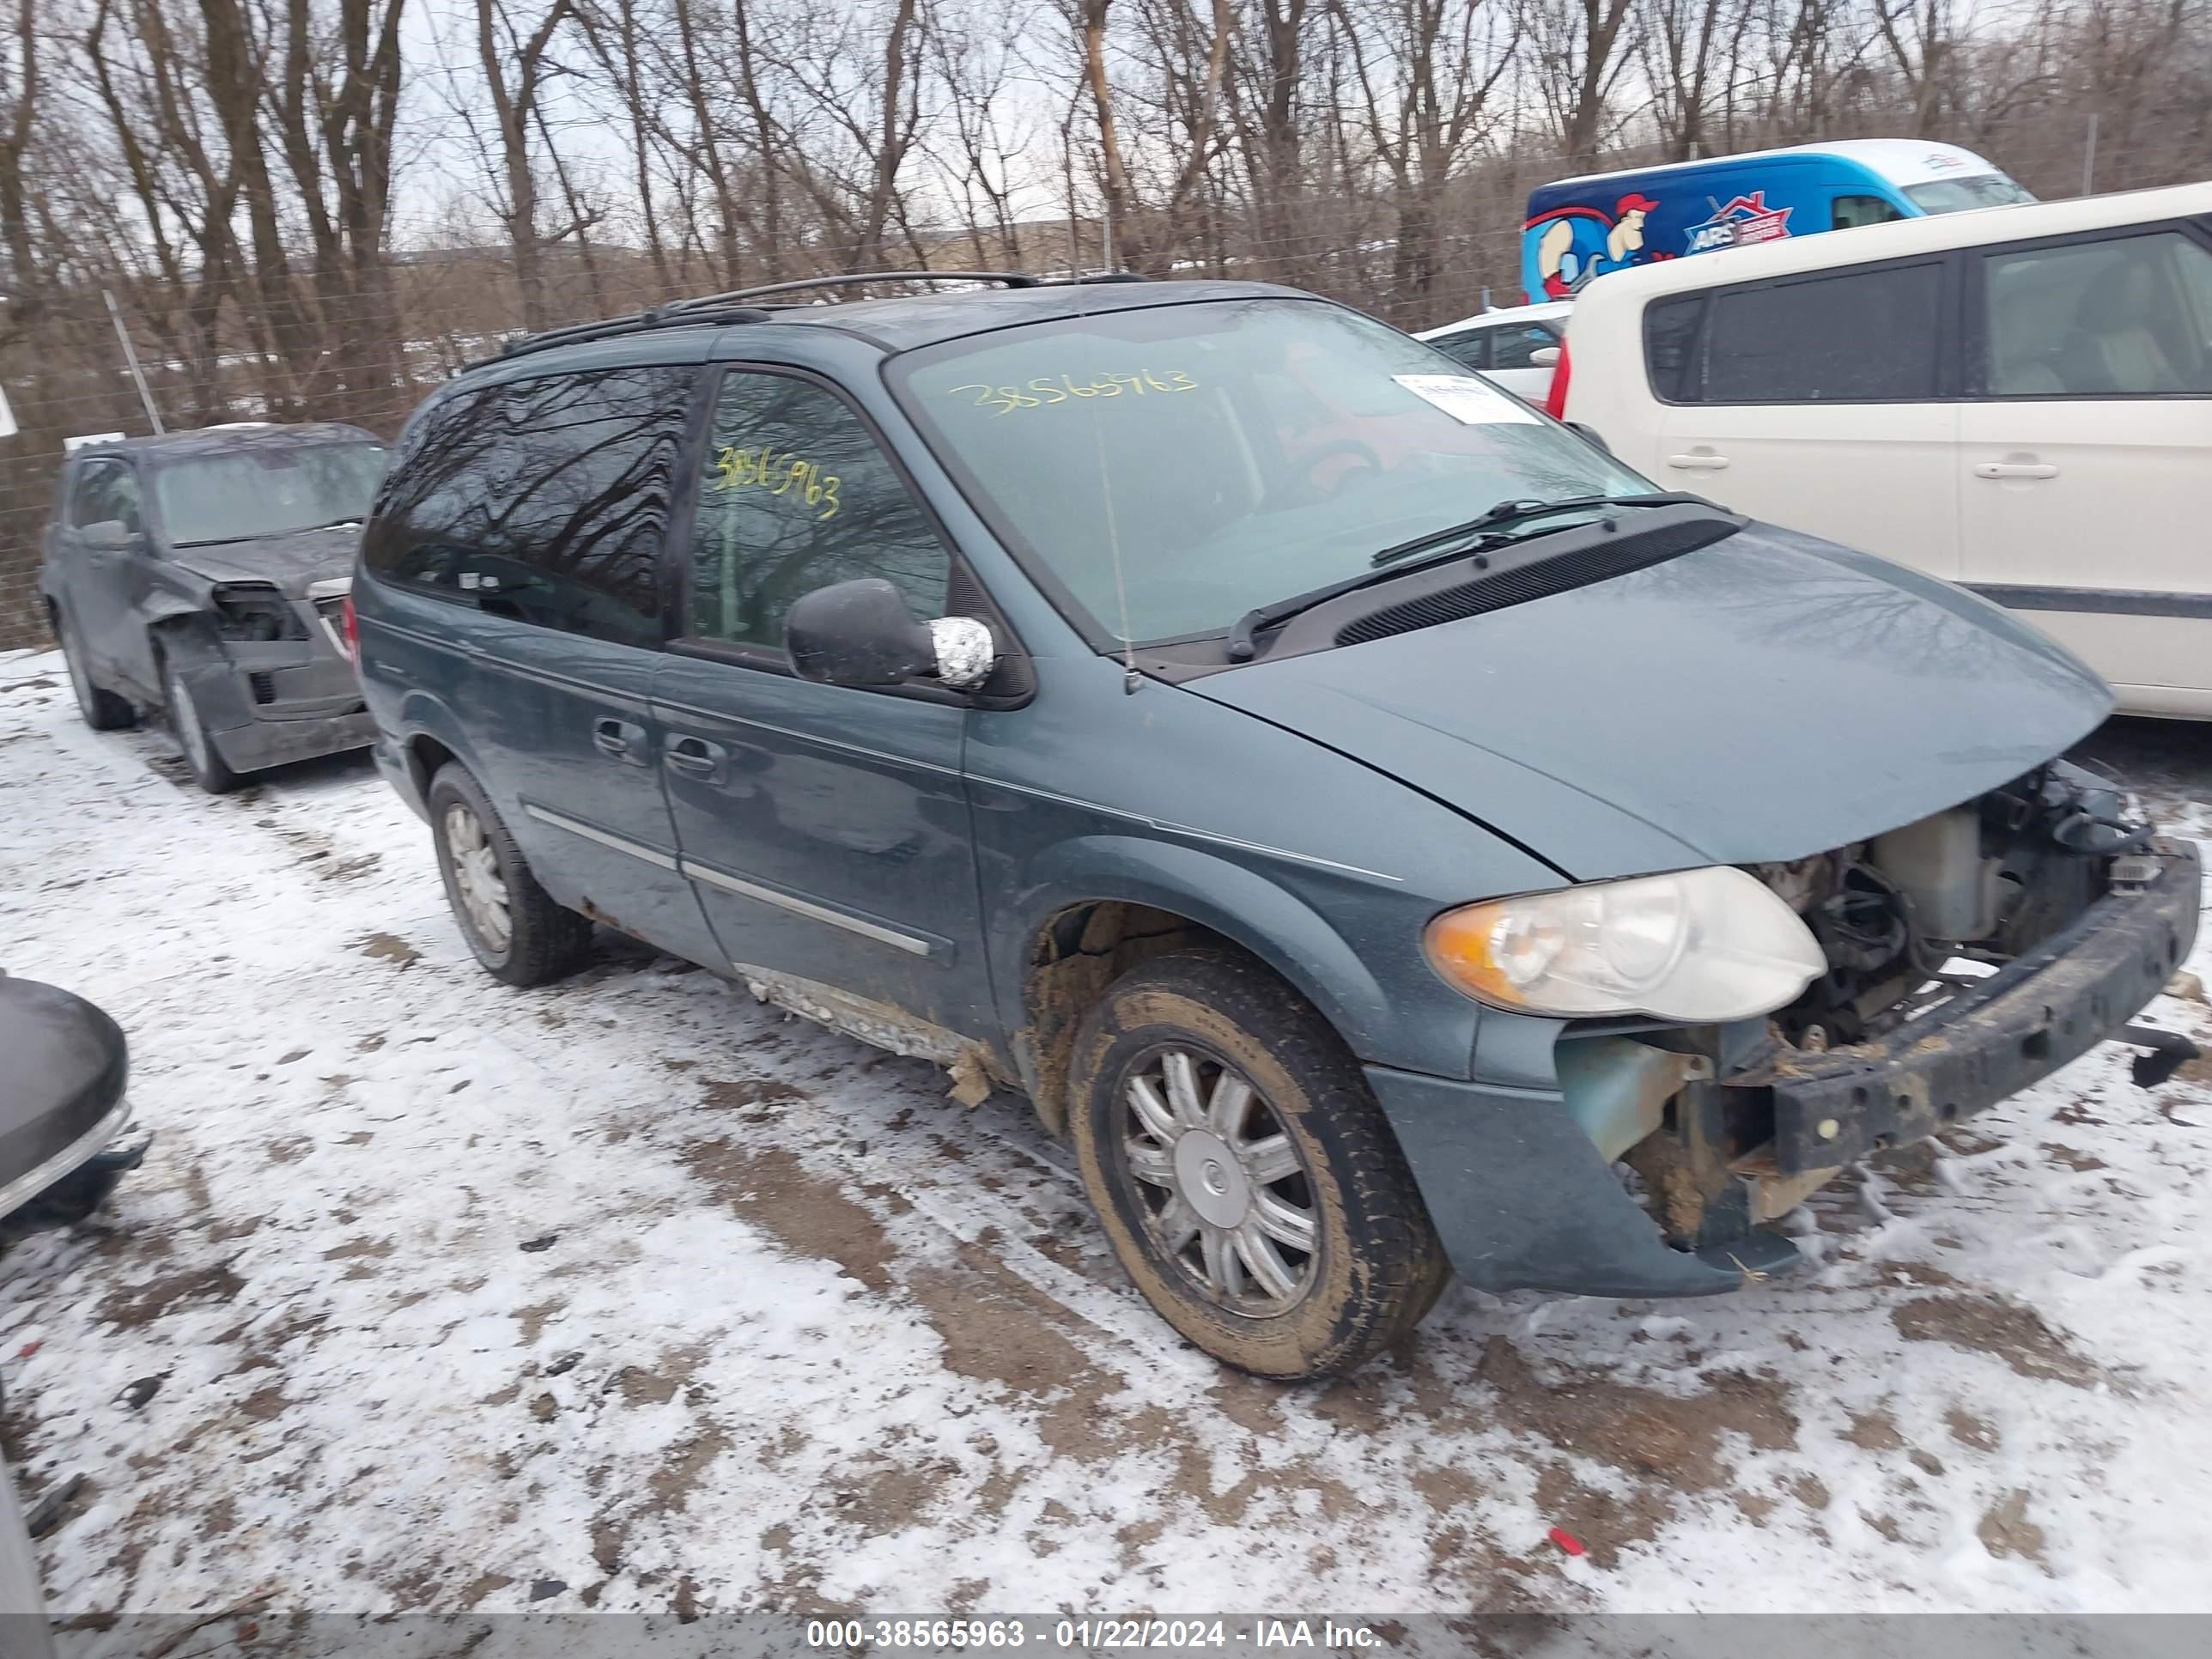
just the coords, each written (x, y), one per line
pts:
(695, 756)
(2015, 470)
(1699, 461)
(620, 738)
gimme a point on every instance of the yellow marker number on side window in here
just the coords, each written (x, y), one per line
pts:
(1046, 390)
(780, 473)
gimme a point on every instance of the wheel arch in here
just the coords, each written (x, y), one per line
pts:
(1103, 905)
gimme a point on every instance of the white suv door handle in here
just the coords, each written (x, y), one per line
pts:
(2015, 470)
(1697, 463)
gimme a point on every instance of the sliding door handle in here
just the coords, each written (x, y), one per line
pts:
(695, 756)
(2015, 470)
(619, 739)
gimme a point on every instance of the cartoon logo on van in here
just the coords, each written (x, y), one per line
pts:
(1745, 219)
(1574, 244)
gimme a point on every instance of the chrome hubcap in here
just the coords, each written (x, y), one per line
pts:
(1224, 1192)
(476, 880)
(186, 725)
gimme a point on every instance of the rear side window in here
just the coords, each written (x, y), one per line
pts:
(1670, 341)
(544, 501)
(2130, 317)
(1862, 337)
(797, 494)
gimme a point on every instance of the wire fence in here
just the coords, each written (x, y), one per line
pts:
(367, 346)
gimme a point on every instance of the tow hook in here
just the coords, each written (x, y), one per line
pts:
(2169, 1051)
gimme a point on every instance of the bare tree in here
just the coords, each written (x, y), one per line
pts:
(502, 49)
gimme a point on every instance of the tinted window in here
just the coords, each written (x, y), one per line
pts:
(2131, 317)
(546, 500)
(1469, 351)
(1515, 348)
(1670, 340)
(1867, 336)
(1851, 211)
(796, 496)
(105, 490)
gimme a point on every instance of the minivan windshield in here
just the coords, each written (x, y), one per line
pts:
(1169, 468)
(267, 490)
(1957, 195)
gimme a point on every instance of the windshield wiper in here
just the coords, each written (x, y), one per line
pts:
(1486, 528)
(266, 535)
(1239, 642)
(1519, 509)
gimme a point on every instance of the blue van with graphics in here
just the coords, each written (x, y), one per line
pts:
(1578, 228)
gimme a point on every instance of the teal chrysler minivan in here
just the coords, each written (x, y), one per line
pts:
(1385, 834)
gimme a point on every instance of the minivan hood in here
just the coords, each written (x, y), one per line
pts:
(1767, 697)
(293, 563)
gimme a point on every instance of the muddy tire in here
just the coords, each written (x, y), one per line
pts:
(511, 924)
(208, 768)
(103, 710)
(1244, 1172)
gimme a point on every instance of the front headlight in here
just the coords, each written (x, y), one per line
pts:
(1699, 945)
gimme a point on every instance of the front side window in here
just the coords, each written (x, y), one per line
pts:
(268, 490)
(545, 501)
(1471, 349)
(1862, 336)
(1167, 468)
(1516, 348)
(107, 492)
(2130, 317)
(797, 494)
(1851, 211)
(1957, 194)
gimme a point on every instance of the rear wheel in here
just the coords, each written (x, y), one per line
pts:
(103, 710)
(1244, 1174)
(514, 926)
(208, 768)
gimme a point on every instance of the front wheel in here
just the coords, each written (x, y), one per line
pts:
(208, 768)
(1244, 1172)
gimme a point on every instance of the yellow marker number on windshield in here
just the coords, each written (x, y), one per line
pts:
(780, 474)
(1049, 389)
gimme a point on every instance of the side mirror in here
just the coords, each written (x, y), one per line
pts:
(1587, 435)
(1545, 356)
(110, 536)
(860, 633)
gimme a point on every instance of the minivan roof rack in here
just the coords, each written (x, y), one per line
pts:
(730, 307)
(861, 278)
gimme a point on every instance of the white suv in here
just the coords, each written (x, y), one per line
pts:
(2018, 400)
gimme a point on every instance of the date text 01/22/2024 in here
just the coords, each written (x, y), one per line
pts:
(1291, 1634)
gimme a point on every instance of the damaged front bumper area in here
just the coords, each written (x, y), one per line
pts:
(283, 691)
(2044, 1008)
(1728, 1128)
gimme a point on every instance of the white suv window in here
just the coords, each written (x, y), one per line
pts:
(2130, 317)
(1859, 337)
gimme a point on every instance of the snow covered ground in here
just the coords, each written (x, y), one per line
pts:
(631, 1294)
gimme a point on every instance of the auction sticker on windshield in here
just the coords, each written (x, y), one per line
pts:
(1466, 400)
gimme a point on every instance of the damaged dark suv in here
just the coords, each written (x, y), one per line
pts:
(1359, 813)
(201, 574)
